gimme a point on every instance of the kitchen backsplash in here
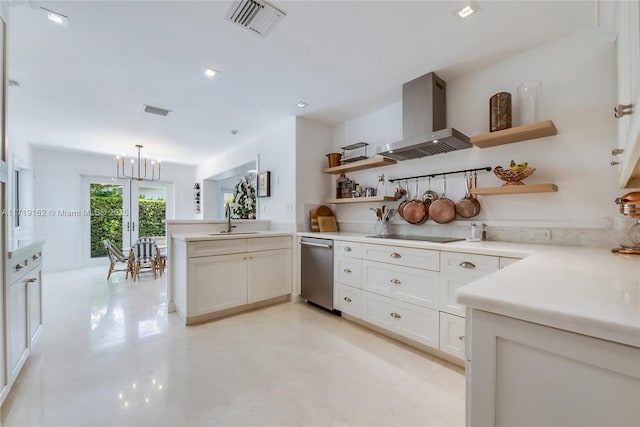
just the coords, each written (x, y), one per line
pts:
(559, 236)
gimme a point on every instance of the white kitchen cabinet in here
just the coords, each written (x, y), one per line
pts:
(348, 271)
(408, 257)
(269, 274)
(34, 299)
(408, 284)
(452, 335)
(344, 249)
(628, 54)
(348, 300)
(417, 323)
(217, 283)
(523, 373)
(18, 324)
(458, 269)
(221, 276)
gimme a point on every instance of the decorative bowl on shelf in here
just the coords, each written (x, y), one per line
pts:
(512, 177)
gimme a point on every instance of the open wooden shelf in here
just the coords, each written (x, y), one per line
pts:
(515, 189)
(372, 162)
(361, 200)
(517, 134)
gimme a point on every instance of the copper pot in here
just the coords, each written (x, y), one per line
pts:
(443, 210)
(415, 211)
(630, 204)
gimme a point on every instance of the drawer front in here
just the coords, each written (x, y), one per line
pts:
(417, 323)
(449, 283)
(506, 262)
(216, 247)
(17, 268)
(348, 249)
(348, 300)
(468, 265)
(405, 283)
(348, 271)
(407, 257)
(268, 243)
(452, 335)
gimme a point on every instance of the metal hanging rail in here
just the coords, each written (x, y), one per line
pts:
(433, 175)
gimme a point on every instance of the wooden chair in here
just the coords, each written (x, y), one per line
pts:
(144, 256)
(161, 259)
(115, 257)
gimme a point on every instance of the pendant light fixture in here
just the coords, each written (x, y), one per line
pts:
(138, 169)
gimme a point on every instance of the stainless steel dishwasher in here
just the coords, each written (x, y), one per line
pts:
(316, 272)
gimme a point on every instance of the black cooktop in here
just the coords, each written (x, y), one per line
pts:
(435, 239)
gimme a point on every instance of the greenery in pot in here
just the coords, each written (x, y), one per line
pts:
(244, 199)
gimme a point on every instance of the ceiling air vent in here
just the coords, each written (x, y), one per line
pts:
(156, 110)
(255, 15)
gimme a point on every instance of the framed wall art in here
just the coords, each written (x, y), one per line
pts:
(264, 184)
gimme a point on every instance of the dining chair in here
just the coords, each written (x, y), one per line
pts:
(115, 257)
(144, 257)
(161, 258)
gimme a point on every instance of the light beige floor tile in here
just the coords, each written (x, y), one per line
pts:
(110, 355)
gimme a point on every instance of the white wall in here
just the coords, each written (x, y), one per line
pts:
(58, 184)
(578, 77)
(313, 142)
(274, 149)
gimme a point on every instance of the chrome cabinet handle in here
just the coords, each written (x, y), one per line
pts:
(461, 338)
(396, 315)
(346, 270)
(35, 257)
(622, 110)
(467, 264)
(347, 299)
(614, 163)
(395, 281)
(617, 151)
(19, 266)
(347, 249)
(33, 279)
(396, 255)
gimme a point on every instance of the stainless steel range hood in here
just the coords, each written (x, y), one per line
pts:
(424, 121)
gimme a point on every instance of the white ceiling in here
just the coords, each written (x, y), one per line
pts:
(85, 86)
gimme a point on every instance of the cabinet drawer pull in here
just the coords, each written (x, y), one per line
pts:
(347, 299)
(346, 270)
(467, 264)
(461, 338)
(617, 151)
(396, 315)
(395, 281)
(622, 110)
(33, 279)
(396, 255)
(19, 266)
(35, 257)
(347, 249)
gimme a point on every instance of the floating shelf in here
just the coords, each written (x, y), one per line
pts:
(361, 200)
(517, 134)
(369, 163)
(515, 189)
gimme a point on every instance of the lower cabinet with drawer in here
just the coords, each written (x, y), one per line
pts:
(409, 291)
(210, 283)
(23, 308)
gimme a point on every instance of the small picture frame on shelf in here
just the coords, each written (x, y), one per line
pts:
(264, 184)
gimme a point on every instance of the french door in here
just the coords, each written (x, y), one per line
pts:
(123, 210)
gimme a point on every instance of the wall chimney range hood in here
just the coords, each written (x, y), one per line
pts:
(424, 121)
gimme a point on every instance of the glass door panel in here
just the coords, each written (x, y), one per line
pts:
(106, 216)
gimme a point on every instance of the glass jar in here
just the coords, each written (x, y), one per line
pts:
(528, 97)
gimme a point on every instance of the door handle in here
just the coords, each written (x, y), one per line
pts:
(33, 279)
(316, 244)
(622, 110)
(133, 226)
(467, 264)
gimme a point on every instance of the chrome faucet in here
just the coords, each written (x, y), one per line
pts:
(227, 214)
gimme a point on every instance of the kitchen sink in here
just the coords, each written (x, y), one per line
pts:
(436, 239)
(233, 233)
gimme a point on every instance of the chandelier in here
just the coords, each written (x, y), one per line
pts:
(139, 170)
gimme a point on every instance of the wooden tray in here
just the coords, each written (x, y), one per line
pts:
(327, 224)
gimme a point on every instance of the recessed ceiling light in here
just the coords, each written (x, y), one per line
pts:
(301, 104)
(465, 11)
(56, 17)
(210, 72)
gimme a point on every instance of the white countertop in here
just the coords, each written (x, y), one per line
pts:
(584, 290)
(196, 237)
(14, 246)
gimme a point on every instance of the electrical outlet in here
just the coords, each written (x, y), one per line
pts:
(540, 235)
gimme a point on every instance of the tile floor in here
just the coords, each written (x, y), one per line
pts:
(110, 355)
